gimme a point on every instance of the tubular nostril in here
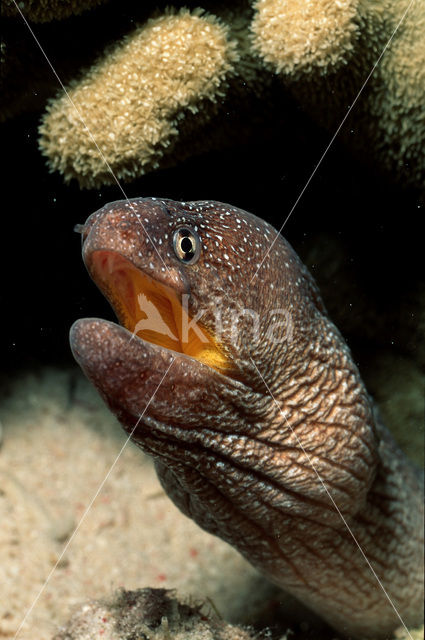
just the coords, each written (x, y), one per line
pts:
(83, 230)
(164, 206)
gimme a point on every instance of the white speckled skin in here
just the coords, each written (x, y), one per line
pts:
(223, 451)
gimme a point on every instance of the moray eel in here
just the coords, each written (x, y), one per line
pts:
(228, 371)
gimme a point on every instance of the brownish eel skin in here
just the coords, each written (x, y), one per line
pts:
(204, 344)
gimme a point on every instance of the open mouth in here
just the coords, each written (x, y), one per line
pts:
(153, 311)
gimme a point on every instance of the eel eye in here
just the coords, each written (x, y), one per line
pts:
(187, 245)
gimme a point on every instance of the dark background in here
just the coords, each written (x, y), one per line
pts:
(45, 286)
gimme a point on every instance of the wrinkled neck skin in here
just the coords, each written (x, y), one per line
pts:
(276, 449)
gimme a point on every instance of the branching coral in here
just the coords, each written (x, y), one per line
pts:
(325, 51)
(133, 98)
(164, 91)
(305, 36)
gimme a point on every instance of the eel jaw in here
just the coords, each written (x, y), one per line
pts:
(153, 311)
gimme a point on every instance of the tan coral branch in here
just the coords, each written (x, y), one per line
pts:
(299, 37)
(133, 97)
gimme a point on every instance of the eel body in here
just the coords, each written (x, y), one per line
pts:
(226, 368)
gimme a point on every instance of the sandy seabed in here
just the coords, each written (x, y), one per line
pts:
(58, 443)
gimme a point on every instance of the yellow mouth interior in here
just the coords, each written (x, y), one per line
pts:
(153, 311)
